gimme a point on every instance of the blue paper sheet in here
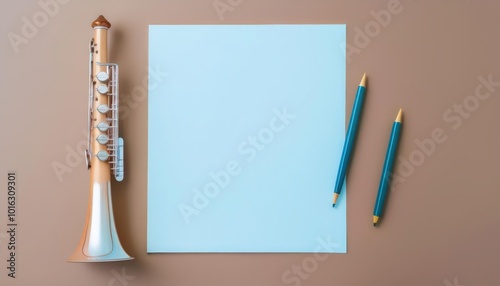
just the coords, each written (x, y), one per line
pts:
(244, 138)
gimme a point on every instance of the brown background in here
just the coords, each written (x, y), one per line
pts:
(441, 225)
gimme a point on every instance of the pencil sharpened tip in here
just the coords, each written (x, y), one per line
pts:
(363, 81)
(399, 118)
(374, 224)
(334, 200)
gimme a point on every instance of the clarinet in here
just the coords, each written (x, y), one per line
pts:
(104, 155)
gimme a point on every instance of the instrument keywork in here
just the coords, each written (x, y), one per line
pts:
(104, 155)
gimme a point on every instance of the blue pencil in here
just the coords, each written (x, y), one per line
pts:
(349, 138)
(387, 169)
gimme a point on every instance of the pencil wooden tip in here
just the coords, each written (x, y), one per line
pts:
(101, 21)
(363, 81)
(399, 118)
(375, 220)
(335, 197)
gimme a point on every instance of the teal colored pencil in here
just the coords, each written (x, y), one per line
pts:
(387, 169)
(349, 138)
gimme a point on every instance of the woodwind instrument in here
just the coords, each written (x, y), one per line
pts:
(104, 154)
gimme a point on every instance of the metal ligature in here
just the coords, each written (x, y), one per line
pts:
(104, 155)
